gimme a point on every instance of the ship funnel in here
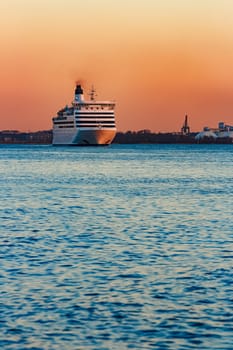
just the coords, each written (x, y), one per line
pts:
(79, 94)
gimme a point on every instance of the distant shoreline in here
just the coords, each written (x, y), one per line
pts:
(129, 137)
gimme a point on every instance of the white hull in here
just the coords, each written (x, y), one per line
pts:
(93, 137)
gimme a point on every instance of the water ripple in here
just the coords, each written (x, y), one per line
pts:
(125, 247)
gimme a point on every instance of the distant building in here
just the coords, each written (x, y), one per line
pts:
(223, 132)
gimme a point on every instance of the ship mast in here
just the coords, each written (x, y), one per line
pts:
(92, 94)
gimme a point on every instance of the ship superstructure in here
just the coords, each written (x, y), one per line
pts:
(85, 122)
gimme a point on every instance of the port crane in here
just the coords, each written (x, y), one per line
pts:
(185, 130)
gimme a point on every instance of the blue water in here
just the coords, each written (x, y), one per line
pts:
(123, 247)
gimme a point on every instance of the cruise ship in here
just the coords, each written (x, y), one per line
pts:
(85, 122)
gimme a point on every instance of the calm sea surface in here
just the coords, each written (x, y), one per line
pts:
(123, 247)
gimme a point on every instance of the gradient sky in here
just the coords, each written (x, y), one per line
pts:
(159, 60)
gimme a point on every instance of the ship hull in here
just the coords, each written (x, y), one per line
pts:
(84, 137)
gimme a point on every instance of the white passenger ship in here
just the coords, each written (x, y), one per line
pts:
(85, 122)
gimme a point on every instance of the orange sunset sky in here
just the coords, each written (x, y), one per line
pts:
(159, 60)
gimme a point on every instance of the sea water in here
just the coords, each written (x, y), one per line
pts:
(123, 247)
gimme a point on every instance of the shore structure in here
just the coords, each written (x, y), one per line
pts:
(223, 133)
(85, 122)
